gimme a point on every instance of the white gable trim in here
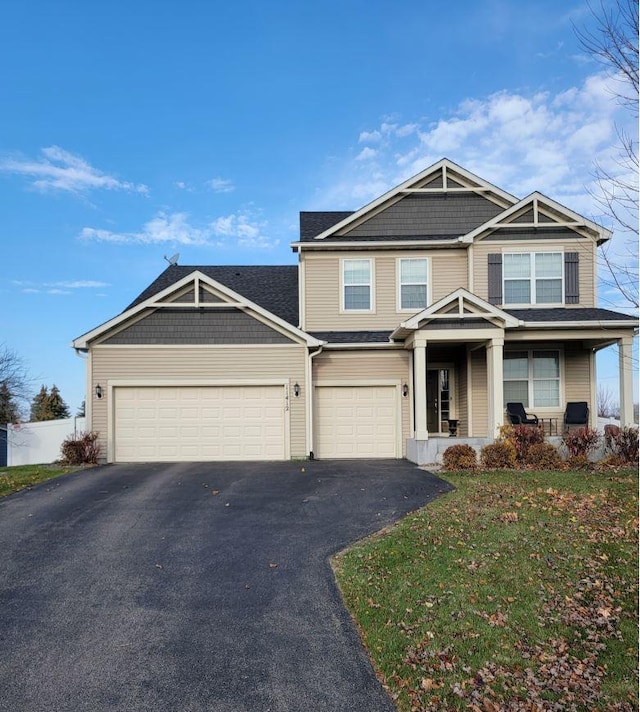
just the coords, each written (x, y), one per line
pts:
(410, 183)
(460, 296)
(538, 201)
(195, 277)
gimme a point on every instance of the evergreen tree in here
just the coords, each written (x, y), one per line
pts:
(39, 406)
(9, 412)
(57, 407)
(82, 410)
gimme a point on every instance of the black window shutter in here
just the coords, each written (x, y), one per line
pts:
(495, 279)
(571, 278)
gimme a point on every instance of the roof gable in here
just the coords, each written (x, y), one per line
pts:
(460, 306)
(432, 186)
(538, 216)
(179, 291)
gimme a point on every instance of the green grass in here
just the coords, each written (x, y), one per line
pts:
(519, 588)
(13, 479)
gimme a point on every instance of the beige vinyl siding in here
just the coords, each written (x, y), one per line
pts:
(322, 285)
(479, 394)
(462, 383)
(577, 385)
(360, 365)
(584, 247)
(194, 364)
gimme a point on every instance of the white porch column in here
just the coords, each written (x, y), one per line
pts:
(625, 347)
(495, 386)
(420, 388)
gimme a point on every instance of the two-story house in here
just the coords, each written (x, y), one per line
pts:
(407, 322)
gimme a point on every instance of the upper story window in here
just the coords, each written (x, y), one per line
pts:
(413, 282)
(357, 285)
(533, 278)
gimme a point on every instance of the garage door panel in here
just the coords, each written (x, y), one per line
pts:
(199, 423)
(356, 421)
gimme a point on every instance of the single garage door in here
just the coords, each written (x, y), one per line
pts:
(356, 421)
(185, 424)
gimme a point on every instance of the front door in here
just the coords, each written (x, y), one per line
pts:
(438, 399)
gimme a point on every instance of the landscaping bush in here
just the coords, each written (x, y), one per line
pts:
(459, 457)
(544, 456)
(500, 455)
(622, 443)
(581, 441)
(522, 437)
(83, 449)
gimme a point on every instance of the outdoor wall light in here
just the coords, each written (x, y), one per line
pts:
(296, 390)
(405, 390)
(98, 391)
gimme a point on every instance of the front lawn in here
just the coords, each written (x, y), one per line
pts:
(13, 479)
(518, 591)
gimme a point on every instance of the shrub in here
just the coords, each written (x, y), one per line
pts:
(500, 455)
(83, 449)
(544, 456)
(622, 443)
(522, 437)
(580, 441)
(459, 457)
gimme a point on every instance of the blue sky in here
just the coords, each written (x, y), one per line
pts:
(134, 130)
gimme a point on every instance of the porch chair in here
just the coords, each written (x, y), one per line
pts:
(518, 415)
(576, 415)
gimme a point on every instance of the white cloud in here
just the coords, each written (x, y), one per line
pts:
(237, 229)
(366, 154)
(63, 287)
(58, 169)
(221, 185)
(519, 141)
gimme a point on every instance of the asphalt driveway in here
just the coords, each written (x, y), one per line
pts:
(192, 587)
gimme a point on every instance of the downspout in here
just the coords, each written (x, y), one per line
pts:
(309, 379)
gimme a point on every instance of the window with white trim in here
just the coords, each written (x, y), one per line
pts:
(413, 278)
(532, 277)
(356, 285)
(532, 378)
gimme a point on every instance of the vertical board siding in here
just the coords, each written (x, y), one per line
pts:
(229, 363)
(350, 366)
(584, 249)
(448, 271)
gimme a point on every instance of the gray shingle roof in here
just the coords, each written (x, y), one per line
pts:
(352, 337)
(315, 223)
(273, 287)
(562, 314)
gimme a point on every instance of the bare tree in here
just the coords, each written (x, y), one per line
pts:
(614, 43)
(13, 375)
(606, 403)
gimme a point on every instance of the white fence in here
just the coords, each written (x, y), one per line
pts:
(606, 421)
(39, 443)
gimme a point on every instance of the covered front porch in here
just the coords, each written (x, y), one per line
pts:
(469, 358)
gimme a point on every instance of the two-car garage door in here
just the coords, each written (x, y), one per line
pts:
(182, 424)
